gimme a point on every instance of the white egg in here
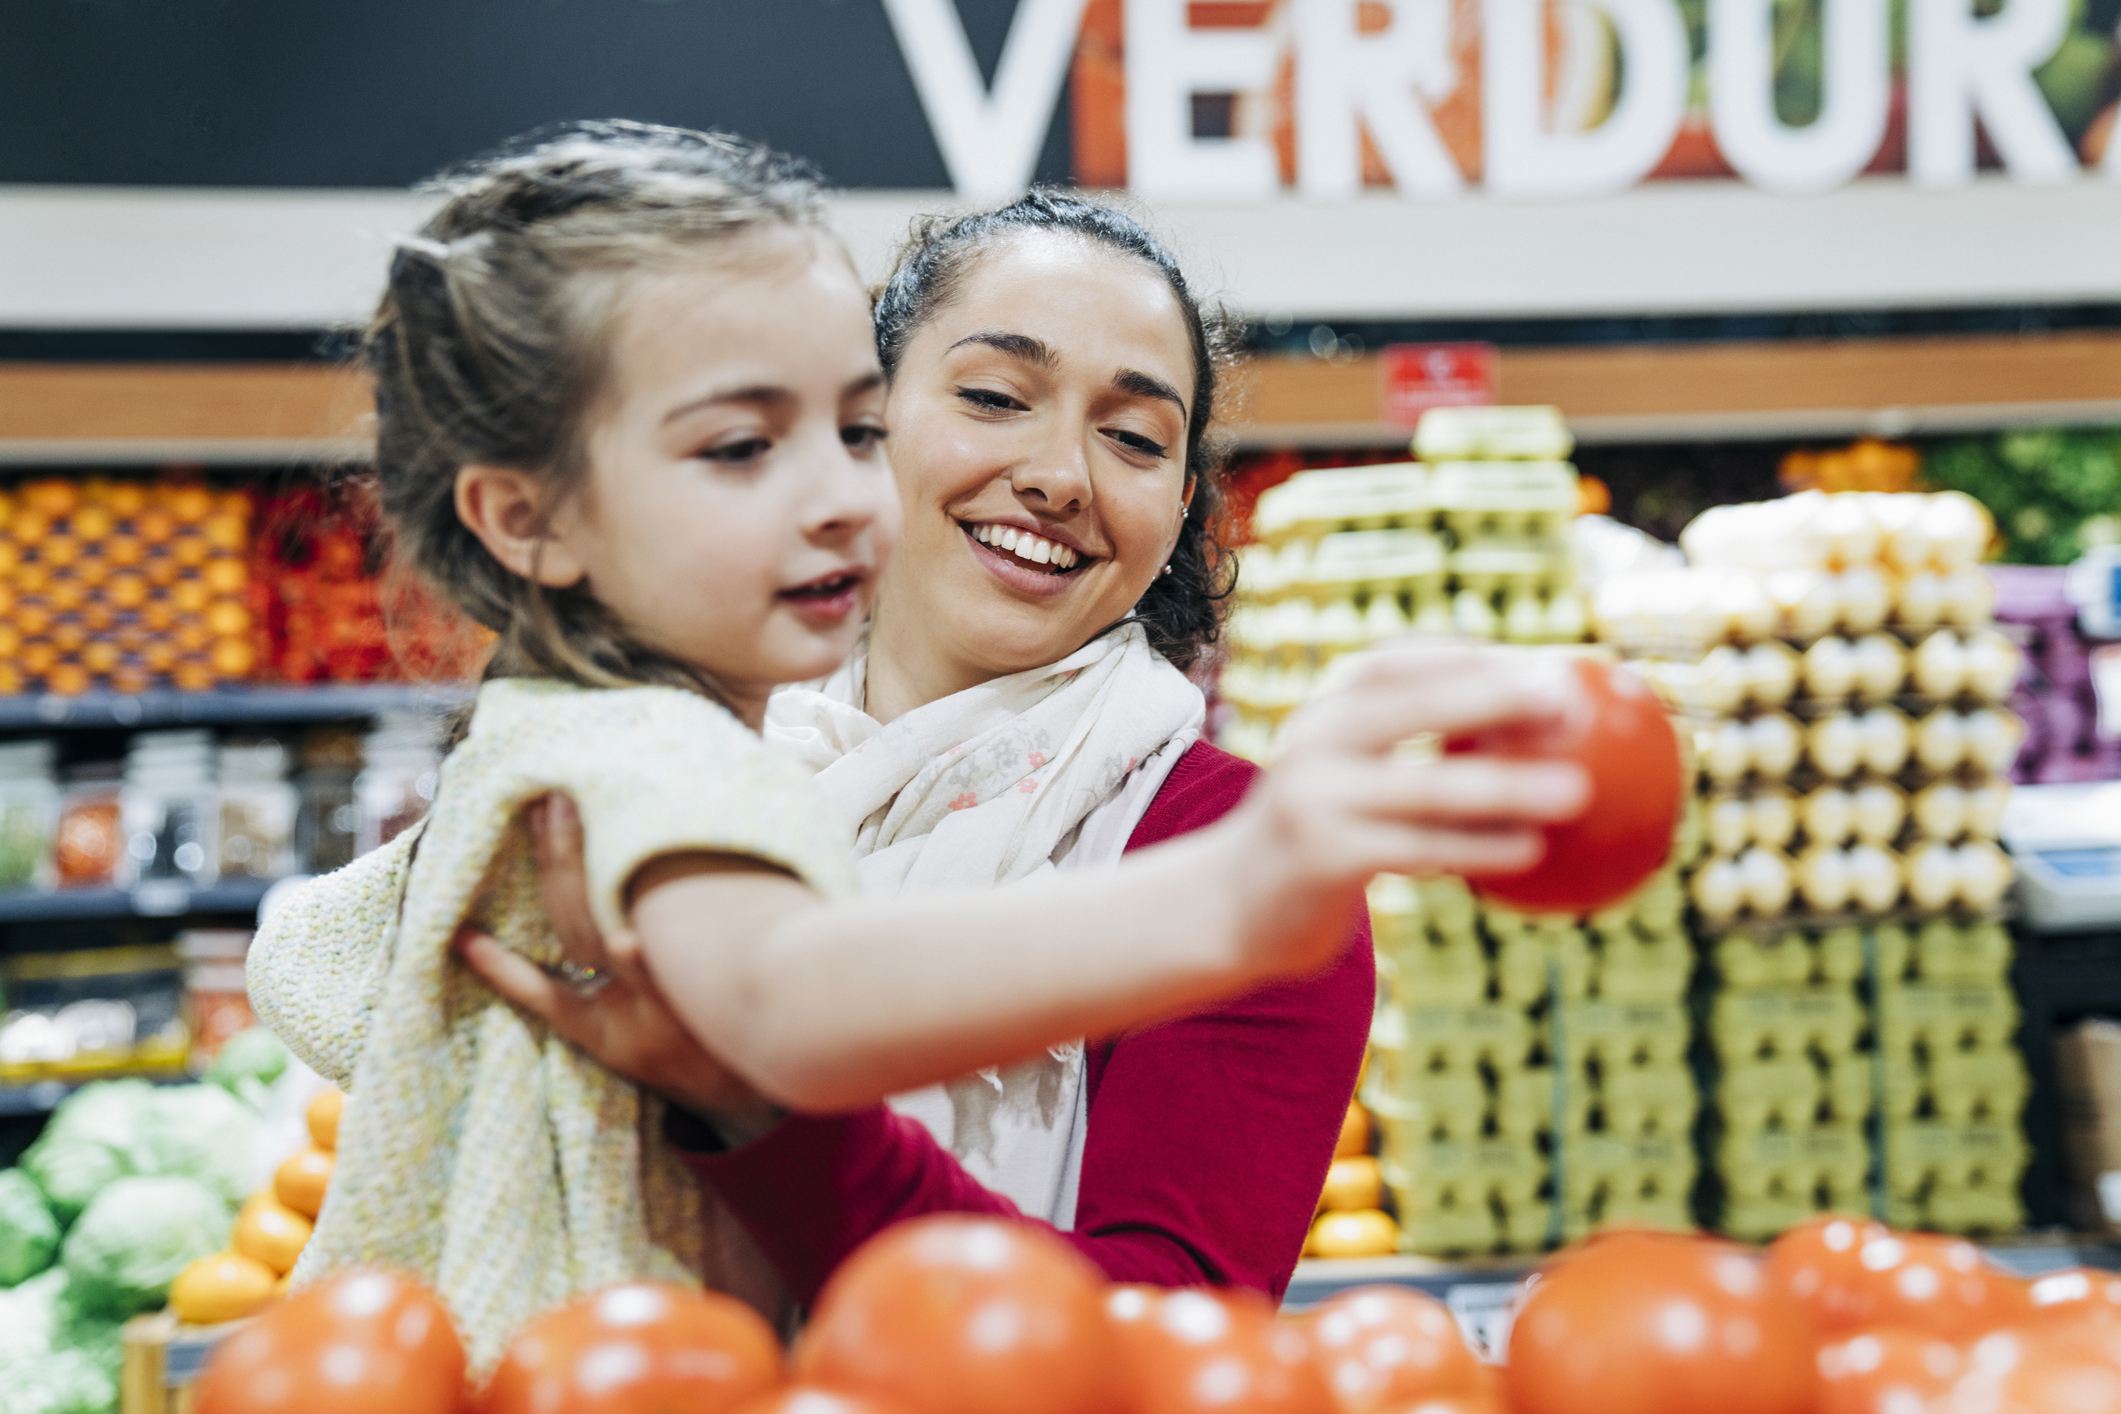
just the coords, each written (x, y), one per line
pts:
(1829, 669)
(1728, 824)
(1835, 745)
(1743, 605)
(1383, 619)
(1825, 813)
(1765, 876)
(1940, 811)
(1906, 542)
(1938, 665)
(1932, 876)
(1776, 743)
(1878, 664)
(1807, 601)
(1886, 735)
(1874, 878)
(1993, 663)
(1992, 737)
(1920, 601)
(1719, 682)
(1774, 819)
(1727, 754)
(1984, 809)
(1823, 879)
(1958, 526)
(1851, 532)
(1771, 673)
(1984, 874)
(1718, 889)
(1866, 598)
(1968, 598)
(1940, 742)
(1340, 627)
(1876, 812)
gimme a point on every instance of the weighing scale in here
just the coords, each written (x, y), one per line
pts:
(2066, 843)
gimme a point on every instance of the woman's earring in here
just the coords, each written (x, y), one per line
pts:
(1167, 567)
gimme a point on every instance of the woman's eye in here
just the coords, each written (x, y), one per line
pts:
(1134, 441)
(737, 453)
(863, 436)
(991, 400)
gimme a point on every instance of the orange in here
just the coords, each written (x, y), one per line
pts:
(68, 635)
(191, 550)
(162, 570)
(228, 617)
(158, 614)
(32, 578)
(9, 557)
(10, 639)
(124, 550)
(54, 496)
(156, 526)
(126, 677)
(38, 657)
(1354, 1133)
(272, 1232)
(126, 591)
(92, 570)
(324, 1118)
(100, 656)
(191, 635)
(190, 504)
(33, 618)
(126, 499)
(191, 675)
(223, 1287)
(98, 616)
(191, 596)
(59, 551)
(226, 532)
(29, 526)
(225, 576)
(67, 680)
(300, 1181)
(158, 655)
(92, 523)
(1363, 1233)
(233, 657)
(66, 593)
(1352, 1184)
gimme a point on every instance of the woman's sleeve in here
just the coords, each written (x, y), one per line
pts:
(1208, 1136)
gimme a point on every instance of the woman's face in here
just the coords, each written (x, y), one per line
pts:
(1038, 436)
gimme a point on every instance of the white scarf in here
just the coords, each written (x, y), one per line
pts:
(1041, 769)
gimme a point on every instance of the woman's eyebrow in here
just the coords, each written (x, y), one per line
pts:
(1019, 346)
(1144, 385)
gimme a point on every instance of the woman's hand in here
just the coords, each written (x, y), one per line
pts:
(622, 1022)
(1354, 793)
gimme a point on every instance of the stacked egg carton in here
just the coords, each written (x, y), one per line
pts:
(1951, 1082)
(1451, 544)
(1837, 657)
(124, 585)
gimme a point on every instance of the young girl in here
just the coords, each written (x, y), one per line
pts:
(630, 419)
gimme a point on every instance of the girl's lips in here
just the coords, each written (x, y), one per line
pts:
(827, 600)
(1016, 574)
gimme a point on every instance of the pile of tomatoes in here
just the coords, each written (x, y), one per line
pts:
(960, 1315)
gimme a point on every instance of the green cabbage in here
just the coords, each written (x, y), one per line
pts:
(93, 1138)
(135, 1237)
(99, 1337)
(29, 1315)
(29, 1234)
(203, 1132)
(56, 1382)
(251, 1061)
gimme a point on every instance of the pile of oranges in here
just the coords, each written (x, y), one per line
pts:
(124, 584)
(271, 1231)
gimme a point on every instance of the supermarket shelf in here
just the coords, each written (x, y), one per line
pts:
(226, 707)
(44, 1096)
(149, 900)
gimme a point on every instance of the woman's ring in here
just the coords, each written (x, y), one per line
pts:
(586, 981)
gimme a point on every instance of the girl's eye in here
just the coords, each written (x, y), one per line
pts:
(863, 436)
(1135, 442)
(992, 401)
(737, 453)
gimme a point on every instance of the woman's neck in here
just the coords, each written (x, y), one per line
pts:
(908, 670)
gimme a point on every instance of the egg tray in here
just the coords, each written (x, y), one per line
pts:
(1820, 922)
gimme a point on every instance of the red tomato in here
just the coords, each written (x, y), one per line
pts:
(809, 1399)
(1658, 1325)
(1816, 1263)
(1938, 1284)
(964, 1315)
(1617, 730)
(1886, 1371)
(1196, 1351)
(1454, 1404)
(358, 1342)
(642, 1346)
(2077, 1293)
(2034, 1372)
(1381, 1347)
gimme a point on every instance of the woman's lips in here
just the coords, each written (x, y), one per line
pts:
(1025, 579)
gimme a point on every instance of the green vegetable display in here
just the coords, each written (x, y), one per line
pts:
(93, 1138)
(135, 1237)
(204, 1132)
(29, 1234)
(55, 1382)
(2054, 492)
(251, 1060)
(29, 1315)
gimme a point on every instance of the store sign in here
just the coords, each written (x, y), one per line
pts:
(1417, 377)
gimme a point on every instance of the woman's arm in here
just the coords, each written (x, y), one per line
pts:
(829, 1007)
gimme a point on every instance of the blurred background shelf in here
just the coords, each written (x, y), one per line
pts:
(224, 707)
(43, 1096)
(150, 900)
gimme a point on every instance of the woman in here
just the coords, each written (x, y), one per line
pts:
(1053, 380)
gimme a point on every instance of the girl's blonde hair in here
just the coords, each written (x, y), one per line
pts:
(491, 345)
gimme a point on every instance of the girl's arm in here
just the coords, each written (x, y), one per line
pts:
(829, 1007)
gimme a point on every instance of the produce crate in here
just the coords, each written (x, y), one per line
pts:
(163, 1357)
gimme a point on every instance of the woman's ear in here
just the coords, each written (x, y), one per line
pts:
(504, 508)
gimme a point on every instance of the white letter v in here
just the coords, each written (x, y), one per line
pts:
(989, 142)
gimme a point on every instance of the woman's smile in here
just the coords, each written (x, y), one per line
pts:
(1026, 561)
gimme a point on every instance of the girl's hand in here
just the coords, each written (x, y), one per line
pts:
(624, 1023)
(1354, 794)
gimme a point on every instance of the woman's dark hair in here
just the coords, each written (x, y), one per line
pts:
(492, 341)
(1183, 610)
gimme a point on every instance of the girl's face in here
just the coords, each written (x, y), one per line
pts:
(739, 506)
(1039, 424)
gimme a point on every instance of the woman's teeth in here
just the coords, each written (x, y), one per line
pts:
(1025, 546)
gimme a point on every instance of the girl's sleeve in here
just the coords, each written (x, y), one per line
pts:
(1208, 1141)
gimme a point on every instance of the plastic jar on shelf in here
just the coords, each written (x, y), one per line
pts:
(29, 815)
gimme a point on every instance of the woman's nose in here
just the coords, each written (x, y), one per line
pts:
(1057, 474)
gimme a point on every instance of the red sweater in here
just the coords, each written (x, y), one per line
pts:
(1208, 1136)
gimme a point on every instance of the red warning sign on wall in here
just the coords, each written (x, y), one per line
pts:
(1418, 377)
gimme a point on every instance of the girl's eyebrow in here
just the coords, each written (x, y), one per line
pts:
(768, 394)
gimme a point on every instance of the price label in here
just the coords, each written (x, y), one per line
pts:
(1418, 377)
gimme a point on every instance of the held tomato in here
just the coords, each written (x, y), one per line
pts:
(1817, 1263)
(1886, 1371)
(963, 1315)
(1196, 1351)
(2078, 1293)
(1938, 1284)
(1644, 1324)
(641, 1346)
(1617, 731)
(2068, 1371)
(360, 1341)
(1383, 1347)
(808, 1399)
